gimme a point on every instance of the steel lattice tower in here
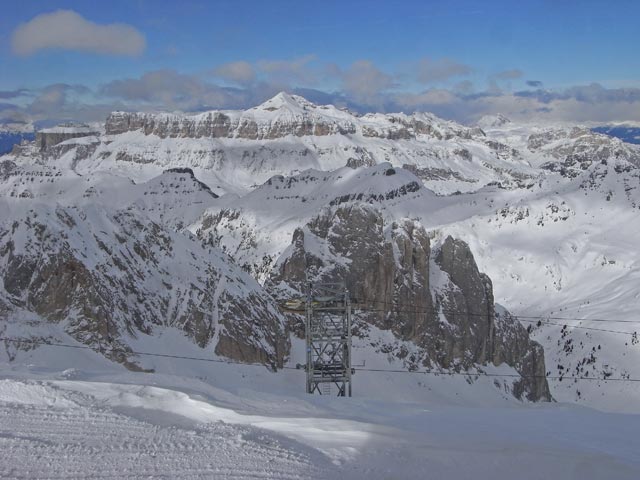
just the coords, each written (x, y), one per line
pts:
(328, 338)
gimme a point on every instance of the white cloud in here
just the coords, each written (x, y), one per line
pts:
(240, 72)
(297, 70)
(365, 81)
(166, 87)
(65, 29)
(434, 96)
(172, 90)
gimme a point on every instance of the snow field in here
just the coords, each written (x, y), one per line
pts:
(96, 429)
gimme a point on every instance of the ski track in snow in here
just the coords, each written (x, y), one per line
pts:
(45, 439)
(80, 429)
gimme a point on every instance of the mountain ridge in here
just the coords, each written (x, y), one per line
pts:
(536, 205)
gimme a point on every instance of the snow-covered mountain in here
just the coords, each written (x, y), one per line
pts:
(102, 259)
(549, 213)
(493, 121)
(234, 151)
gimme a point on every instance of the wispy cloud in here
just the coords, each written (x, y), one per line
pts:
(53, 98)
(240, 73)
(164, 87)
(593, 94)
(11, 94)
(297, 70)
(498, 81)
(511, 74)
(430, 70)
(364, 81)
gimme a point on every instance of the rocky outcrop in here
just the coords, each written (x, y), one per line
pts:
(254, 127)
(579, 148)
(105, 276)
(351, 243)
(513, 346)
(483, 334)
(466, 301)
(225, 125)
(47, 138)
(438, 300)
(406, 127)
(7, 167)
(592, 159)
(431, 174)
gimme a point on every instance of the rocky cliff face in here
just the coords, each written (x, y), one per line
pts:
(487, 335)
(220, 125)
(105, 276)
(467, 304)
(437, 300)
(286, 115)
(49, 137)
(278, 117)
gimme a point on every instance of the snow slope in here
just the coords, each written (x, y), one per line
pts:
(140, 425)
(563, 248)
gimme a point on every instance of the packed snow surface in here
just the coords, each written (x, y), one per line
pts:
(70, 413)
(113, 425)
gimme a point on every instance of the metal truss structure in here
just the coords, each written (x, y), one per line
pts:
(328, 339)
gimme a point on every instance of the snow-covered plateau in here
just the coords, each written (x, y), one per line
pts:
(494, 271)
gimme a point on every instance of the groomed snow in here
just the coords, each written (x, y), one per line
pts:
(77, 425)
(70, 413)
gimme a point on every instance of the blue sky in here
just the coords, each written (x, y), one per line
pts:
(560, 59)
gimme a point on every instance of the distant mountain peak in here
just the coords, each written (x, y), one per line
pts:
(287, 101)
(489, 121)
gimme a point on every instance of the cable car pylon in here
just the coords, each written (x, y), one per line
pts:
(327, 309)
